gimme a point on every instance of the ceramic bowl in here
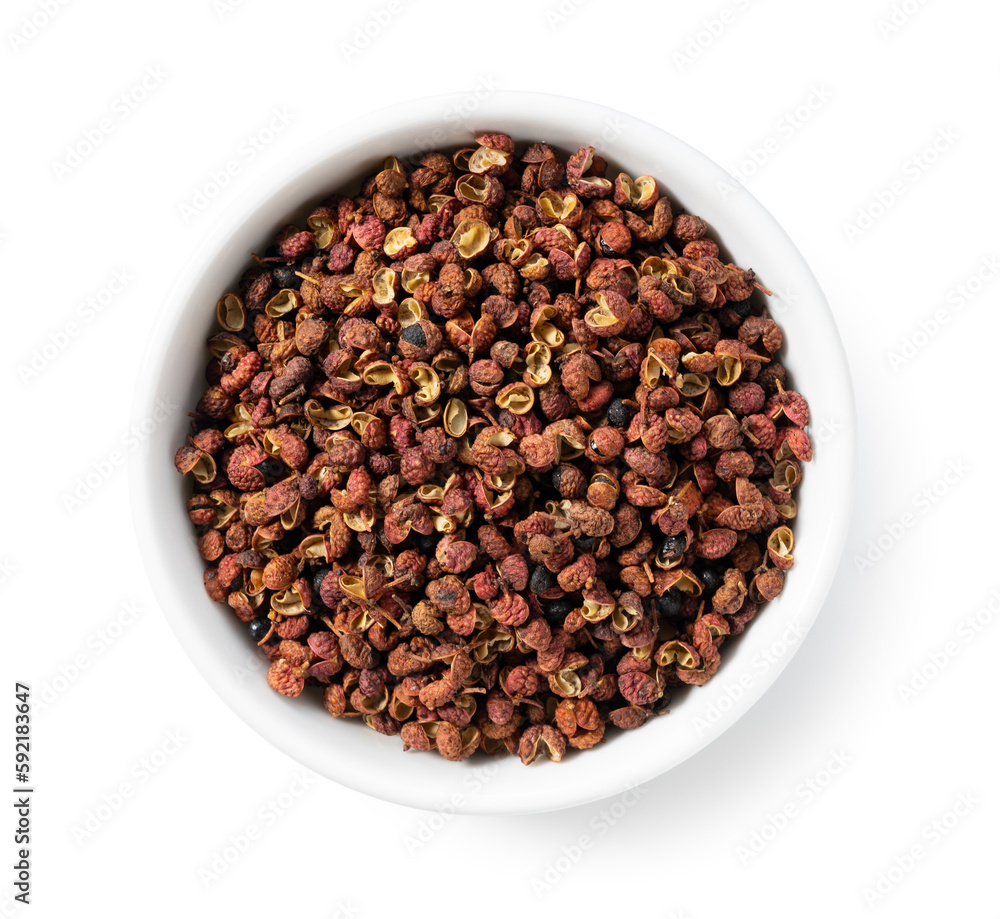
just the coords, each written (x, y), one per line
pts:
(347, 752)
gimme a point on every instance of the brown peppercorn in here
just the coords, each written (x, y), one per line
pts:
(604, 445)
(282, 677)
(280, 572)
(211, 545)
(569, 481)
(471, 411)
(215, 403)
(613, 240)
(689, 227)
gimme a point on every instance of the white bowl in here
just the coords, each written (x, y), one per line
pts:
(360, 758)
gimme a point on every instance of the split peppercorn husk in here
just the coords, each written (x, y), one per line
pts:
(496, 453)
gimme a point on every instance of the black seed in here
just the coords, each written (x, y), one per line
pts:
(230, 360)
(259, 628)
(741, 308)
(426, 544)
(607, 655)
(619, 414)
(318, 577)
(672, 549)
(711, 579)
(555, 611)
(586, 543)
(541, 580)
(273, 470)
(286, 278)
(287, 544)
(670, 603)
(414, 335)
(557, 475)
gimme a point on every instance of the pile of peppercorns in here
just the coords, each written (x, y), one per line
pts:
(496, 452)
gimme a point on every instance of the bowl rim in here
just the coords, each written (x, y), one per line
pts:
(572, 784)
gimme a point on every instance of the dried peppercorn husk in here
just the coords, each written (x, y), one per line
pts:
(495, 452)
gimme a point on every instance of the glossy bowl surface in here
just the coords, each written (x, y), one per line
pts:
(349, 753)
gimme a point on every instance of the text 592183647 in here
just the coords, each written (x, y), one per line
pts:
(22, 791)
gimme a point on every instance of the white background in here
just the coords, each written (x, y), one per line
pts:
(757, 824)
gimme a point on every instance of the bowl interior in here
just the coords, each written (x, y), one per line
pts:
(349, 753)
